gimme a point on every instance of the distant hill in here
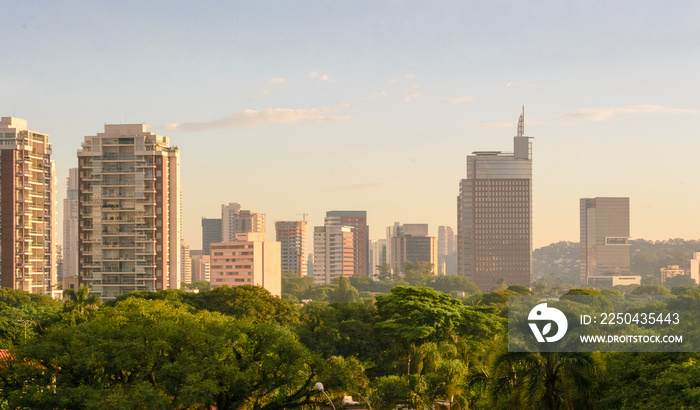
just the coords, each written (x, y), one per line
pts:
(560, 260)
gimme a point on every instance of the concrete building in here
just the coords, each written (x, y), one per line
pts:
(201, 266)
(310, 264)
(410, 242)
(494, 216)
(129, 194)
(292, 238)
(605, 232)
(446, 240)
(610, 281)
(235, 220)
(670, 271)
(70, 225)
(694, 267)
(211, 233)
(185, 263)
(378, 255)
(446, 248)
(357, 220)
(250, 260)
(334, 253)
(28, 202)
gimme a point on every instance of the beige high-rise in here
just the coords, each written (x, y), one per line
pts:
(605, 232)
(28, 209)
(129, 194)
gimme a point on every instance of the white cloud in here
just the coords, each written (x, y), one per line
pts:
(602, 114)
(412, 93)
(405, 77)
(459, 100)
(254, 118)
(271, 84)
(375, 95)
(412, 97)
(323, 77)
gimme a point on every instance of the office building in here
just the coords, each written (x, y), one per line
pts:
(494, 216)
(334, 253)
(129, 194)
(70, 225)
(292, 238)
(357, 220)
(28, 202)
(249, 260)
(235, 220)
(410, 242)
(605, 232)
(211, 233)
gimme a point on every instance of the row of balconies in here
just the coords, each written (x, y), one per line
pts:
(119, 220)
(120, 245)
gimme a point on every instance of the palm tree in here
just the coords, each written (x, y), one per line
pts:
(81, 301)
(545, 379)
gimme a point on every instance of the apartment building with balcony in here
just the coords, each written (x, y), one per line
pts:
(129, 203)
(334, 253)
(28, 220)
(292, 237)
(235, 220)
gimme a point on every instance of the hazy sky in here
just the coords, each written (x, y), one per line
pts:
(292, 107)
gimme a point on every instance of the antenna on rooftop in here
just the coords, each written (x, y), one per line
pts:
(521, 124)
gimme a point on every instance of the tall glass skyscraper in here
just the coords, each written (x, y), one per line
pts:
(494, 216)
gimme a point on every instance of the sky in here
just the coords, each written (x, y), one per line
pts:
(300, 107)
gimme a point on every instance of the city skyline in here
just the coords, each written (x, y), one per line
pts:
(376, 108)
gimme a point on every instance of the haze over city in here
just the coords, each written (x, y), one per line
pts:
(292, 108)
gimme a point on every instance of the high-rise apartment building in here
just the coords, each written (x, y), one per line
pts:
(249, 260)
(605, 232)
(185, 263)
(129, 194)
(235, 220)
(357, 220)
(211, 233)
(292, 237)
(71, 217)
(28, 222)
(410, 242)
(494, 216)
(334, 253)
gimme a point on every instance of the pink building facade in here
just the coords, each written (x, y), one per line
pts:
(250, 260)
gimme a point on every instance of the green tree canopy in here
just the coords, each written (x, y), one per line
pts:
(650, 290)
(153, 354)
